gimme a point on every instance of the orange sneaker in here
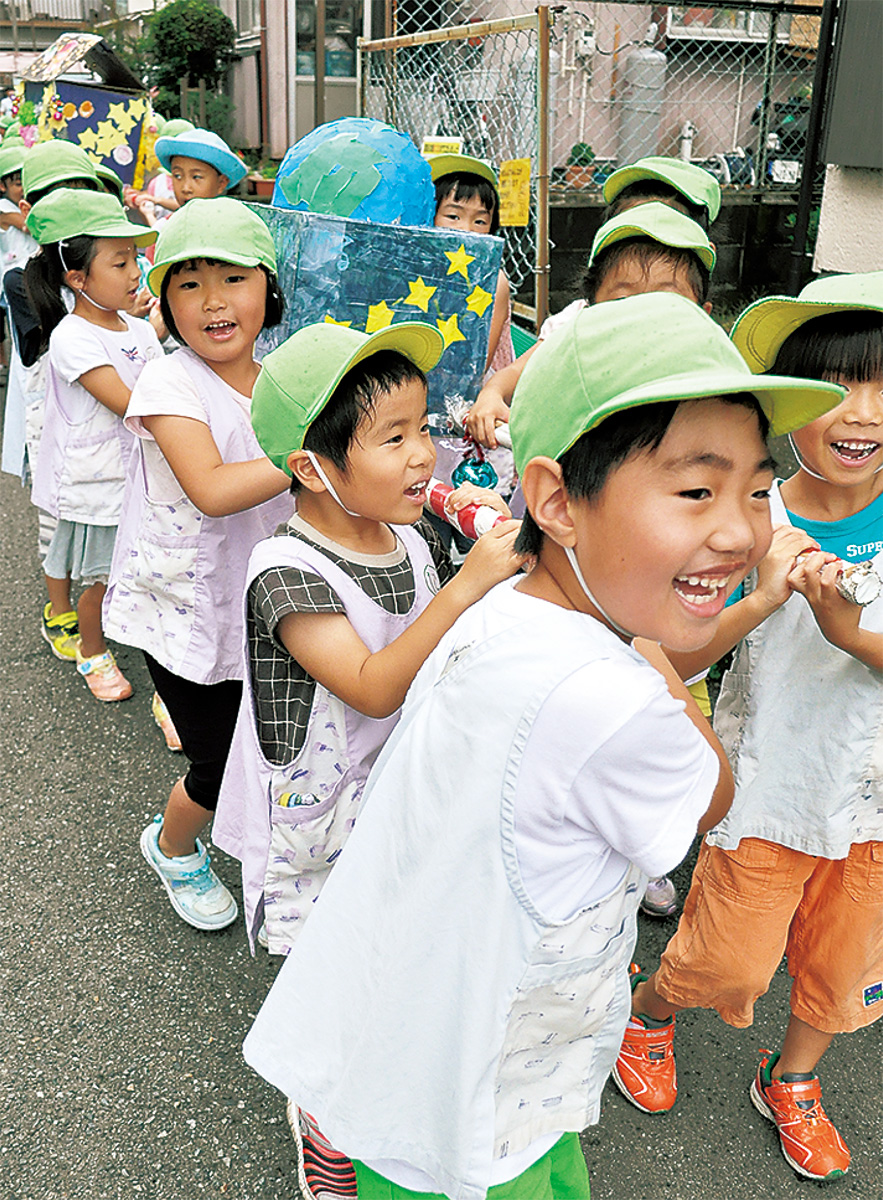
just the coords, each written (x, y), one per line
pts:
(103, 677)
(165, 723)
(809, 1141)
(645, 1070)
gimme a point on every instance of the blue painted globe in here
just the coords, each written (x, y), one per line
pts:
(357, 168)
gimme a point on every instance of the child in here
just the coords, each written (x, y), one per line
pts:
(16, 247)
(95, 355)
(343, 607)
(689, 190)
(796, 866)
(201, 165)
(455, 1002)
(652, 248)
(201, 495)
(467, 198)
(159, 191)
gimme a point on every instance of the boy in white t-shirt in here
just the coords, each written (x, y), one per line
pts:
(452, 1009)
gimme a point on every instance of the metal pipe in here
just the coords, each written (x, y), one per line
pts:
(264, 82)
(319, 70)
(453, 34)
(769, 55)
(811, 149)
(542, 252)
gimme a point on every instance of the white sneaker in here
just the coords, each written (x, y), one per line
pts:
(660, 898)
(196, 893)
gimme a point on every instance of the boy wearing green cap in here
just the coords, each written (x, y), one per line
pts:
(455, 1003)
(796, 867)
(341, 605)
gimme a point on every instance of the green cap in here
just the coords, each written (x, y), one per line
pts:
(695, 183)
(762, 328)
(55, 161)
(11, 159)
(461, 164)
(660, 222)
(71, 212)
(175, 126)
(223, 229)
(15, 140)
(13, 129)
(298, 378)
(637, 351)
(108, 176)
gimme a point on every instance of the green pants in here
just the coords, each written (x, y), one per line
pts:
(559, 1175)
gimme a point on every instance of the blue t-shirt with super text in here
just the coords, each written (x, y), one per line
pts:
(853, 539)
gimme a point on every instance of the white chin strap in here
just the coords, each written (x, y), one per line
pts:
(328, 484)
(82, 292)
(571, 558)
(803, 466)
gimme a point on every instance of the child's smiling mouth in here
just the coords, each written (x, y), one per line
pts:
(220, 331)
(854, 452)
(417, 491)
(704, 590)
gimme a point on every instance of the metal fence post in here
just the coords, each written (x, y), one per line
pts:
(769, 58)
(541, 290)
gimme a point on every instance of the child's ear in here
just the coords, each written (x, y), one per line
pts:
(547, 500)
(304, 471)
(223, 184)
(75, 280)
(24, 207)
(707, 306)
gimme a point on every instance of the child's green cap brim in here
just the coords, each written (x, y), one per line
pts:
(175, 126)
(642, 350)
(108, 175)
(54, 162)
(461, 164)
(12, 159)
(205, 146)
(660, 222)
(298, 378)
(71, 212)
(762, 328)
(223, 229)
(694, 183)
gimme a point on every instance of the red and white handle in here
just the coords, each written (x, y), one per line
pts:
(472, 521)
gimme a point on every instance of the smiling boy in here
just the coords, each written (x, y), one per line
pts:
(456, 1002)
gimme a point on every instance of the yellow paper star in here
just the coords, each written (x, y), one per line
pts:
(108, 137)
(89, 140)
(450, 330)
(420, 293)
(478, 300)
(379, 317)
(124, 116)
(329, 320)
(460, 260)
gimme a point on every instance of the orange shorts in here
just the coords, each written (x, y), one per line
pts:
(749, 906)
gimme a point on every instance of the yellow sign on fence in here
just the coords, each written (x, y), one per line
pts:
(438, 145)
(515, 192)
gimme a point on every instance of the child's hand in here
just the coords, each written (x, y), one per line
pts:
(773, 587)
(143, 303)
(489, 410)
(468, 493)
(156, 320)
(491, 560)
(816, 579)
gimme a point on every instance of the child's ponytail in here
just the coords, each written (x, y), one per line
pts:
(44, 278)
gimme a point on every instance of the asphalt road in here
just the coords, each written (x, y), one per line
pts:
(120, 1027)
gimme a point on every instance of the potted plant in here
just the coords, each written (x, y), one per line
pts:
(262, 181)
(580, 166)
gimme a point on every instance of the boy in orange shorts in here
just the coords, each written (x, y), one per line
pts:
(796, 867)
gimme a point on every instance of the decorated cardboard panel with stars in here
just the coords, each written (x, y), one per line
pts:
(107, 124)
(369, 276)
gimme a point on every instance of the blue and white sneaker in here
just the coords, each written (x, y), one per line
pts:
(196, 893)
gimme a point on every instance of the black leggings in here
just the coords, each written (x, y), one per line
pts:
(205, 717)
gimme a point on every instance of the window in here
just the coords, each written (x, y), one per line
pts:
(343, 25)
(721, 24)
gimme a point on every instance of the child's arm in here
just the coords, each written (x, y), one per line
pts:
(725, 789)
(12, 220)
(328, 647)
(108, 389)
(215, 487)
(494, 399)
(738, 620)
(498, 316)
(816, 579)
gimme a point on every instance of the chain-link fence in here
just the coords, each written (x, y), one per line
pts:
(478, 83)
(727, 88)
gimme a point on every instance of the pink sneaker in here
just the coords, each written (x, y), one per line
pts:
(104, 678)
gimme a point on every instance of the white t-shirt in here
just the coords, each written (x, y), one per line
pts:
(17, 246)
(167, 389)
(559, 320)
(77, 346)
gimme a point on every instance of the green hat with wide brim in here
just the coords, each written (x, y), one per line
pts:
(205, 146)
(762, 328)
(694, 183)
(72, 212)
(298, 378)
(12, 159)
(12, 129)
(461, 164)
(642, 350)
(108, 176)
(660, 222)
(53, 162)
(221, 229)
(176, 125)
